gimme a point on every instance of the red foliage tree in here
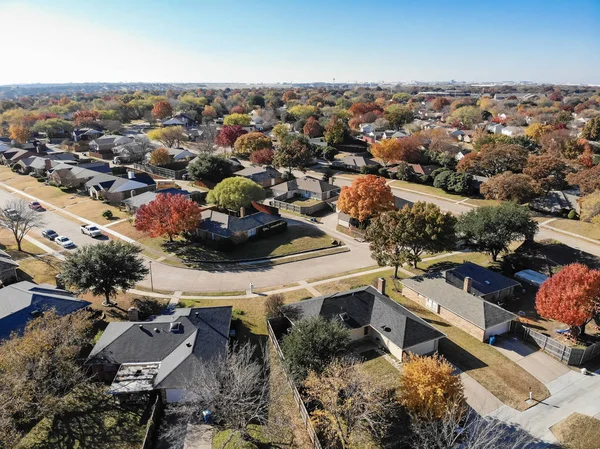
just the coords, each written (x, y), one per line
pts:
(587, 180)
(168, 214)
(587, 158)
(572, 296)
(439, 103)
(313, 128)
(162, 109)
(409, 149)
(366, 197)
(363, 108)
(229, 134)
(85, 117)
(237, 110)
(262, 157)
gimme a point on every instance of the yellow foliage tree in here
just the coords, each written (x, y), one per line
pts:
(169, 135)
(387, 150)
(429, 387)
(237, 119)
(536, 131)
(590, 207)
(20, 133)
(160, 156)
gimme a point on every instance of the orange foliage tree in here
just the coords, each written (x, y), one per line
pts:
(20, 133)
(366, 197)
(85, 117)
(162, 109)
(572, 296)
(387, 150)
(160, 156)
(168, 215)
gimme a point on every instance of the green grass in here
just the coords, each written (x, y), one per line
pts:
(231, 293)
(426, 189)
(156, 290)
(578, 431)
(443, 263)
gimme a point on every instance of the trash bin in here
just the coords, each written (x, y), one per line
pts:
(207, 416)
(493, 340)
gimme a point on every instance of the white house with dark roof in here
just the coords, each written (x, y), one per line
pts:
(369, 314)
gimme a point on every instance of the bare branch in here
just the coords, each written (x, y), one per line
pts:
(19, 218)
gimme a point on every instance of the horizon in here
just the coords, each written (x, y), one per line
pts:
(272, 43)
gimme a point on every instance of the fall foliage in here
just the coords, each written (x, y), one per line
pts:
(510, 187)
(588, 180)
(366, 197)
(85, 117)
(237, 119)
(20, 133)
(159, 157)
(312, 128)
(250, 142)
(169, 136)
(262, 157)
(168, 215)
(590, 207)
(549, 171)
(235, 193)
(571, 296)
(162, 109)
(591, 130)
(228, 135)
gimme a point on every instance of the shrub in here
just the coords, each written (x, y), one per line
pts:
(573, 215)
(383, 172)
(107, 214)
(272, 305)
(441, 180)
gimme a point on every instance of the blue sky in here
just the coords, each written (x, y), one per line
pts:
(282, 41)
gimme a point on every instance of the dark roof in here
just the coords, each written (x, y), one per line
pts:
(114, 184)
(147, 197)
(259, 173)
(203, 334)
(358, 161)
(367, 307)
(307, 183)
(485, 281)
(471, 308)
(226, 225)
(21, 301)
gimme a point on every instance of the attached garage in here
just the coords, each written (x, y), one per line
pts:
(498, 329)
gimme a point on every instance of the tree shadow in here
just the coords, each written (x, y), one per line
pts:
(459, 356)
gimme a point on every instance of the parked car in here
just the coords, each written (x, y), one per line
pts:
(63, 241)
(90, 230)
(11, 213)
(35, 205)
(49, 234)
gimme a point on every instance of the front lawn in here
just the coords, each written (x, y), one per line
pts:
(430, 190)
(8, 244)
(578, 431)
(41, 270)
(588, 230)
(303, 202)
(356, 281)
(445, 263)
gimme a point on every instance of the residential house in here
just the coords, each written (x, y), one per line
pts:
(115, 189)
(513, 131)
(42, 164)
(229, 230)
(461, 308)
(370, 315)
(305, 188)
(461, 154)
(557, 202)
(423, 170)
(495, 128)
(14, 155)
(467, 136)
(74, 176)
(8, 267)
(488, 284)
(179, 120)
(133, 204)
(23, 301)
(140, 357)
(102, 147)
(355, 163)
(318, 142)
(264, 176)
(86, 134)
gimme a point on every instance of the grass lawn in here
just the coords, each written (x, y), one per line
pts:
(588, 230)
(379, 368)
(578, 431)
(123, 302)
(444, 263)
(56, 196)
(360, 270)
(426, 189)
(355, 282)
(41, 270)
(481, 202)
(8, 244)
(275, 287)
(6, 173)
(92, 210)
(503, 378)
(22, 182)
(303, 202)
(231, 293)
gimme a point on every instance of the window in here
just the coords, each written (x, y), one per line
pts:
(366, 332)
(432, 305)
(252, 232)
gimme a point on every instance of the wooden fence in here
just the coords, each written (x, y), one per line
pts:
(570, 356)
(152, 425)
(312, 434)
(161, 171)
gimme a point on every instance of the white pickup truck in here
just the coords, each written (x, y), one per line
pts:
(91, 230)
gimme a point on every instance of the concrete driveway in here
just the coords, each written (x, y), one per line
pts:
(536, 362)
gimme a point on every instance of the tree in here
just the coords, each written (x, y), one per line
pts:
(335, 130)
(499, 158)
(441, 179)
(398, 237)
(19, 218)
(367, 197)
(248, 143)
(19, 132)
(591, 130)
(234, 193)
(160, 156)
(38, 367)
(560, 143)
(430, 389)
(590, 207)
(294, 152)
(536, 131)
(511, 187)
(272, 305)
(102, 269)
(312, 344)
(358, 109)
(439, 103)
(491, 229)
(280, 131)
(168, 214)
(228, 135)
(387, 150)
(53, 127)
(398, 115)
(587, 180)
(351, 405)
(459, 183)
(162, 109)
(467, 116)
(208, 167)
(302, 111)
(169, 136)
(237, 119)
(85, 117)
(209, 113)
(262, 157)
(571, 296)
(312, 128)
(234, 386)
(549, 171)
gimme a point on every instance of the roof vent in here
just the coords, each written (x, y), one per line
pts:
(344, 316)
(189, 345)
(487, 282)
(175, 327)
(141, 326)
(157, 330)
(197, 313)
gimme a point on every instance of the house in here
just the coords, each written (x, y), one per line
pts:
(356, 163)
(495, 128)
(307, 187)
(488, 284)
(264, 176)
(461, 154)
(25, 300)
(461, 308)
(86, 134)
(74, 176)
(179, 120)
(103, 146)
(8, 267)
(229, 230)
(423, 170)
(115, 189)
(139, 357)
(513, 131)
(14, 155)
(370, 314)
(42, 164)
(467, 136)
(134, 203)
(457, 134)
(557, 202)
(318, 142)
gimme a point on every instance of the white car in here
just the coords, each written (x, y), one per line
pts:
(63, 241)
(91, 230)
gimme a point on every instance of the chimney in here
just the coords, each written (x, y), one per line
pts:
(467, 284)
(133, 314)
(47, 164)
(381, 285)
(130, 174)
(242, 212)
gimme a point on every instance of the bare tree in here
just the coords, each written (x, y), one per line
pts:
(272, 305)
(234, 387)
(206, 142)
(139, 148)
(19, 218)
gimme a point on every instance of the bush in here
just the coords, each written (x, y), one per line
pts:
(329, 153)
(198, 197)
(369, 169)
(107, 214)
(272, 305)
(573, 215)
(441, 180)
(40, 179)
(383, 172)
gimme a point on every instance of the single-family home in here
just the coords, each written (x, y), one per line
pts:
(102, 147)
(14, 155)
(134, 203)
(305, 195)
(369, 314)
(495, 128)
(461, 308)
(23, 301)
(42, 164)
(481, 281)
(557, 202)
(467, 136)
(86, 134)
(229, 230)
(513, 131)
(461, 154)
(140, 357)
(8, 267)
(179, 120)
(74, 176)
(115, 189)
(264, 176)
(423, 170)
(356, 163)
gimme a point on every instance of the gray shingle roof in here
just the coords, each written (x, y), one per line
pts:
(259, 173)
(485, 281)
(227, 225)
(203, 334)
(366, 306)
(19, 302)
(307, 183)
(474, 309)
